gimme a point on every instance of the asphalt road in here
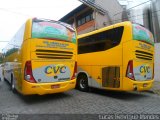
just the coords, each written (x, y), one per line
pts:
(77, 102)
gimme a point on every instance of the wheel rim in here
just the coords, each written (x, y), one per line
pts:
(83, 83)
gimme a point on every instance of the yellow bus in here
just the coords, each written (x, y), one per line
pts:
(42, 58)
(118, 57)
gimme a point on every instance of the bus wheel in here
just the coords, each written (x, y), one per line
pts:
(13, 85)
(82, 83)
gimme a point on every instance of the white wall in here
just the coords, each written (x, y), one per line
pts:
(157, 62)
(113, 7)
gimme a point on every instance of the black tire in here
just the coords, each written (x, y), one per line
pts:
(12, 85)
(82, 83)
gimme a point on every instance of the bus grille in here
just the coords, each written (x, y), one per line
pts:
(53, 54)
(144, 55)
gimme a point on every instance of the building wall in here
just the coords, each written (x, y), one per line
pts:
(157, 62)
(87, 27)
(114, 9)
(98, 22)
(101, 20)
(155, 10)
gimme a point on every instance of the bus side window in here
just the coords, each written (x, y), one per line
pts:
(100, 41)
(108, 44)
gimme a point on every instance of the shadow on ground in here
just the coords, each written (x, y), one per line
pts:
(33, 99)
(120, 94)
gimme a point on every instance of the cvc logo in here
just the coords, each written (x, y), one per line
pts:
(145, 69)
(55, 69)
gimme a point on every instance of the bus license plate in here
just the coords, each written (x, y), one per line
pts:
(145, 85)
(55, 86)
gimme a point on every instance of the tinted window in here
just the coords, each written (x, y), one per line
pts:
(85, 18)
(88, 18)
(142, 34)
(100, 41)
(16, 42)
(53, 30)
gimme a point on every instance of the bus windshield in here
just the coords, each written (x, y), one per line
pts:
(142, 34)
(53, 30)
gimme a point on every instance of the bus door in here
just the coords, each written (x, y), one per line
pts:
(105, 77)
(111, 77)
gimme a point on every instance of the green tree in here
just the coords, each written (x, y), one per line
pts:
(1, 59)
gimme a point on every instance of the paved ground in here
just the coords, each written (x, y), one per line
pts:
(76, 102)
(156, 88)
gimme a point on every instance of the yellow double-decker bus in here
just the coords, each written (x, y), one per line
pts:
(42, 58)
(117, 57)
